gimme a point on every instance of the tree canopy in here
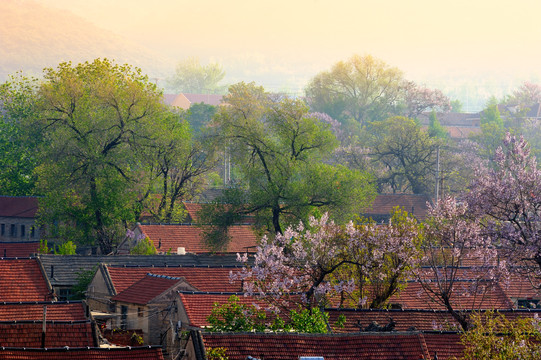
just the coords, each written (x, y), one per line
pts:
(194, 78)
(278, 151)
(363, 88)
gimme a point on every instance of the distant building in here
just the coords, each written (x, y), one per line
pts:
(184, 101)
(18, 218)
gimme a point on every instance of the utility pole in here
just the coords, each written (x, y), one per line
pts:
(437, 175)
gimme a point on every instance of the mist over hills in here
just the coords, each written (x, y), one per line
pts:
(33, 36)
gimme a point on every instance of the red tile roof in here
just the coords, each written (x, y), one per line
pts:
(209, 99)
(138, 353)
(404, 320)
(18, 249)
(370, 346)
(201, 278)
(171, 237)
(146, 289)
(56, 311)
(18, 206)
(23, 280)
(412, 203)
(520, 287)
(193, 210)
(445, 345)
(409, 319)
(415, 297)
(199, 305)
(58, 334)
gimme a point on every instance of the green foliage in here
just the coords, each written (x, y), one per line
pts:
(235, 316)
(308, 321)
(144, 247)
(200, 115)
(18, 142)
(405, 155)
(434, 127)
(280, 152)
(489, 139)
(340, 321)
(96, 119)
(493, 337)
(363, 88)
(217, 353)
(491, 115)
(456, 106)
(84, 278)
(43, 248)
(192, 77)
(66, 248)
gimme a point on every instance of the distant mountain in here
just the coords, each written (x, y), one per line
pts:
(33, 36)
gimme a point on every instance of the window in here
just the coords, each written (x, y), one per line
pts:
(32, 231)
(123, 317)
(3, 229)
(527, 303)
(112, 308)
(140, 312)
(13, 230)
(23, 231)
(64, 294)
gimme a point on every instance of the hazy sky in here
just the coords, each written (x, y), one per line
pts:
(421, 37)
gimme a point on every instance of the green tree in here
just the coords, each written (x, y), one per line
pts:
(491, 115)
(363, 88)
(279, 152)
(200, 115)
(176, 163)
(95, 119)
(493, 337)
(405, 154)
(235, 316)
(434, 127)
(18, 155)
(456, 106)
(144, 247)
(192, 77)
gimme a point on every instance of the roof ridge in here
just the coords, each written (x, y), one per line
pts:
(165, 277)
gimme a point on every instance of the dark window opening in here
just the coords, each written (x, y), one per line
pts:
(123, 317)
(23, 231)
(13, 230)
(528, 304)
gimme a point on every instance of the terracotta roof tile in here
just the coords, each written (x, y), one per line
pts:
(171, 237)
(139, 353)
(202, 278)
(58, 334)
(381, 346)
(199, 305)
(445, 345)
(18, 206)
(520, 287)
(22, 280)
(415, 297)
(146, 289)
(412, 203)
(209, 99)
(404, 320)
(56, 311)
(18, 249)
